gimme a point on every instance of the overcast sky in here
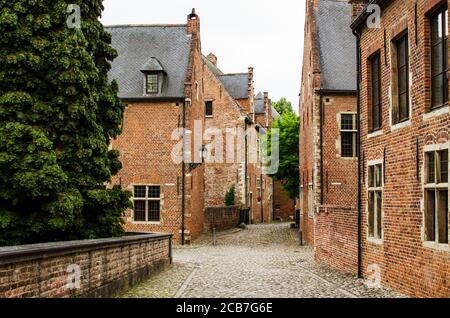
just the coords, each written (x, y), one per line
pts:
(265, 34)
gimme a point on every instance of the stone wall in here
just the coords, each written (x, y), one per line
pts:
(224, 218)
(89, 268)
(336, 237)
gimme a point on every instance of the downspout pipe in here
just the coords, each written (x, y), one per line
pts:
(322, 121)
(183, 178)
(358, 147)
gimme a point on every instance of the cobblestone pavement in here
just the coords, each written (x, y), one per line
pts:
(262, 261)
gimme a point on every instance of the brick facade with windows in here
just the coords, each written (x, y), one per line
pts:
(405, 213)
(328, 163)
(155, 109)
(167, 84)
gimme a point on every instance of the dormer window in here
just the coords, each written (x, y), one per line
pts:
(152, 82)
(153, 77)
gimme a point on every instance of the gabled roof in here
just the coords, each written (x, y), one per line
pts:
(236, 84)
(337, 45)
(152, 65)
(136, 45)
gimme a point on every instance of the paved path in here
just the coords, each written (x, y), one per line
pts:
(262, 261)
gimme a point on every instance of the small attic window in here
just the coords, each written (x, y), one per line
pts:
(152, 84)
(154, 76)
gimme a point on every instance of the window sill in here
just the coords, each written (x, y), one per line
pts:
(375, 241)
(375, 134)
(401, 125)
(436, 246)
(209, 116)
(444, 110)
(146, 223)
(347, 158)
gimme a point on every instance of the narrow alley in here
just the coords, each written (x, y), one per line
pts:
(261, 261)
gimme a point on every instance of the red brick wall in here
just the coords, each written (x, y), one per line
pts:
(406, 263)
(284, 205)
(336, 237)
(339, 184)
(340, 174)
(145, 151)
(219, 177)
(222, 218)
(107, 266)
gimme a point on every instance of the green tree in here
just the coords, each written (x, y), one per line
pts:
(283, 106)
(58, 112)
(288, 173)
(229, 196)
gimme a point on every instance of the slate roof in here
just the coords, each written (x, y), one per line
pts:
(337, 45)
(259, 103)
(236, 84)
(152, 65)
(137, 44)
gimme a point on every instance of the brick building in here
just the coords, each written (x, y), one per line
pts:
(167, 85)
(404, 116)
(159, 70)
(328, 161)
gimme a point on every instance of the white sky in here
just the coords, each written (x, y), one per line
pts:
(265, 34)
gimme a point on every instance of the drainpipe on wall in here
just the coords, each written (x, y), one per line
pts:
(358, 149)
(183, 176)
(247, 122)
(322, 114)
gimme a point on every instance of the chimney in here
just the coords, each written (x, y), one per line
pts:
(193, 23)
(251, 90)
(266, 107)
(357, 7)
(212, 58)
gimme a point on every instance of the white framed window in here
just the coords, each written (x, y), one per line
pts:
(436, 192)
(348, 126)
(152, 83)
(146, 203)
(375, 182)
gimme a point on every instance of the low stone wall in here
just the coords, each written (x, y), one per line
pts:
(336, 237)
(88, 268)
(222, 218)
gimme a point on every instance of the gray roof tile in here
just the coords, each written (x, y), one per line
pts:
(236, 84)
(136, 45)
(337, 45)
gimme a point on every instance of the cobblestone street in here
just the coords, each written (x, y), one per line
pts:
(261, 261)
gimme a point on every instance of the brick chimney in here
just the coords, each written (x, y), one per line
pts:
(251, 91)
(193, 27)
(266, 107)
(357, 7)
(212, 58)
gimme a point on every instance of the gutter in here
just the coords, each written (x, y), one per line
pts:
(151, 99)
(358, 148)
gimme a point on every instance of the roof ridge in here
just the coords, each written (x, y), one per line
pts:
(144, 25)
(231, 74)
